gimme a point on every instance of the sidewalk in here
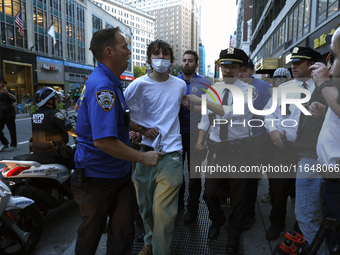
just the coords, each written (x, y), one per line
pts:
(191, 239)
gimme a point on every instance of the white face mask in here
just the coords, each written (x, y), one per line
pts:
(161, 65)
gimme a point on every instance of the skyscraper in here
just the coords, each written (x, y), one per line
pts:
(177, 22)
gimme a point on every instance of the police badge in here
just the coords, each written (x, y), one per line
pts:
(59, 115)
(106, 99)
(295, 50)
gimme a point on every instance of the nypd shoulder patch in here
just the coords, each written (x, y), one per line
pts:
(59, 115)
(255, 93)
(106, 99)
(270, 91)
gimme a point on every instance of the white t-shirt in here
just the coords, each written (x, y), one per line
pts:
(328, 146)
(155, 104)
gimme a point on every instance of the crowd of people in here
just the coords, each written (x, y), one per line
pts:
(168, 122)
(166, 119)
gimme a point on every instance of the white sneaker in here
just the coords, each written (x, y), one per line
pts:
(3, 147)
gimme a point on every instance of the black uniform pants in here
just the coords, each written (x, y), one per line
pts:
(281, 188)
(10, 123)
(99, 199)
(237, 186)
(194, 158)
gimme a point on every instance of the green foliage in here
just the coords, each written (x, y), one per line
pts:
(175, 70)
(139, 71)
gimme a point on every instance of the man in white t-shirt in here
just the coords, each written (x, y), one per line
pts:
(154, 102)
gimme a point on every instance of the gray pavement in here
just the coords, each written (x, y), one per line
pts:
(192, 239)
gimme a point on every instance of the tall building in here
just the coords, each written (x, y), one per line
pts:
(244, 24)
(279, 26)
(52, 47)
(141, 23)
(177, 22)
(201, 63)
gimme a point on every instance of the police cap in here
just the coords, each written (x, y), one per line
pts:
(304, 53)
(232, 56)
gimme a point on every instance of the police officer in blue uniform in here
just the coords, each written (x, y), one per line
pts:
(102, 185)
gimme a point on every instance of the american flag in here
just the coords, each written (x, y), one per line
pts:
(18, 21)
(232, 41)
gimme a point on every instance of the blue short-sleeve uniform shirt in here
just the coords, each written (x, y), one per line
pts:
(101, 115)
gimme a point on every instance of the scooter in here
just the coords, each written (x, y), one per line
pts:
(20, 223)
(43, 178)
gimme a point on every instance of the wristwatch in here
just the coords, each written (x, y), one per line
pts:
(326, 84)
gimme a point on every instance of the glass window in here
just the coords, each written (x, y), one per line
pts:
(306, 22)
(326, 8)
(40, 18)
(8, 7)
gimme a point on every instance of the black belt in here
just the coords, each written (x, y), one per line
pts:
(146, 148)
(231, 142)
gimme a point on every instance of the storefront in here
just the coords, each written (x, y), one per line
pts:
(50, 72)
(126, 79)
(76, 75)
(17, 68)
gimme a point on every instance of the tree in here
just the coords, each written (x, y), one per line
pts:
(175, 70)
(139, 71)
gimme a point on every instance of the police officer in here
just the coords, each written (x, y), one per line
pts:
(50, 128)
(283, 133)
(260, 140)
(227, 145)
(102, 186)
(189, 118)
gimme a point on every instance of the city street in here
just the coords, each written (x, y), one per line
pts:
(60, 224)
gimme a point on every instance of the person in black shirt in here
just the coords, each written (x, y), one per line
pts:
(50, 128)
(7, 116)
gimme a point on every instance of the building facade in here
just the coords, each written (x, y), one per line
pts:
(141, 23)
(280, 25)
(177, 22)
(36, 59)
(201, 63)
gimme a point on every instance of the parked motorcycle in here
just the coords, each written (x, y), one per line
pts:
(20, 223)
(41, 177)
(45, 179)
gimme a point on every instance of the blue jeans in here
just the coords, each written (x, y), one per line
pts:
(332, 209)
(308, 201)
(157, 191)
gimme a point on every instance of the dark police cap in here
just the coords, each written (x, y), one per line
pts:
(232, 56)
(3, 79)
(250, 64)
(304, 53)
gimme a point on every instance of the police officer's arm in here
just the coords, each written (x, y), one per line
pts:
(148, 132)
(114, 147)
(275, 135)
(218, 109)
(320, 75)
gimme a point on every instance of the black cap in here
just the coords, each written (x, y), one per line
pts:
(304, 53)
(232, 56)
(250, 64)
(3, 79)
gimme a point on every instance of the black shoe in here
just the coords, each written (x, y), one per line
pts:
(233, 245)
(274, 231)
(214, 230)
(190, 217)
(139, 232)
(248, 222)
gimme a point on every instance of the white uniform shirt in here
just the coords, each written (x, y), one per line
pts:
(156, 105)
(236, 131)
(328, 146)
(275, 120)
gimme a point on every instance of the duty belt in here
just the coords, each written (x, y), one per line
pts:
(146, 148)
(231, 146)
